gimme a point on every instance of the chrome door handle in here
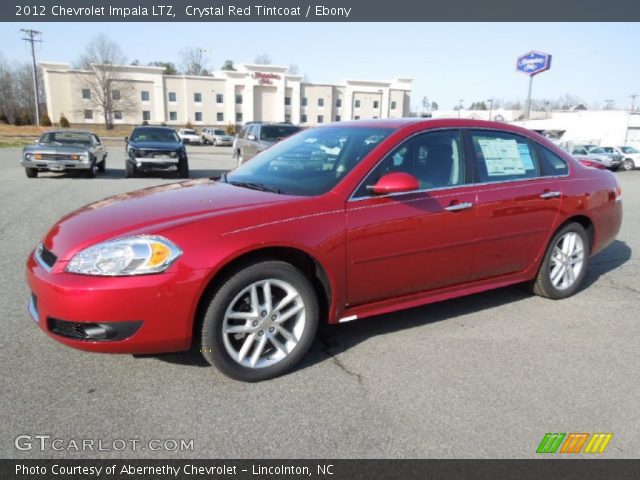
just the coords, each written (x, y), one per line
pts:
(459, 206)
(547, 195)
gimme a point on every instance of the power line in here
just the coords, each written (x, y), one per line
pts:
(31, 38)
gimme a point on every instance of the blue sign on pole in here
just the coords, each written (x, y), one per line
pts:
(533, 63)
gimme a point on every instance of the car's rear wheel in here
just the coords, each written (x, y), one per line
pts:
(129, 169)
(92, 171)
(565, 263)
(628, 164)
(31, 172)
(102, 166)
(183, 168)
(260, 322)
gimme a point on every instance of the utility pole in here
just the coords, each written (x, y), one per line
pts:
(459, 106)
(490, 107)
(633, 101)
(31, 38)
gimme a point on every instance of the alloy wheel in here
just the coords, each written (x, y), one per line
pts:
(567, 260)
(263, 323)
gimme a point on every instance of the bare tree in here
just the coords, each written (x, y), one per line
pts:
(16, 93)
(193, 61)
(293, 69)
(262, 59)
(103, 76)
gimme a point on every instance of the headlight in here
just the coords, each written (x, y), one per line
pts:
(28, 156)
(173, 154)
(84, 156)
(137, 255)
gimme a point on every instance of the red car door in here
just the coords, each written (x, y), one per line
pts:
(405, 243)
(516, 203)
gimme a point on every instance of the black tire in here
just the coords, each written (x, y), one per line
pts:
(543, 285)
(31, 172)
(102, 166)
(212, 343)
(628, 164)
(130, 170)
(92, 171)
(183, 168)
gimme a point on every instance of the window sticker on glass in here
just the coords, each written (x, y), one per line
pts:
(525, 156)
(501, 156)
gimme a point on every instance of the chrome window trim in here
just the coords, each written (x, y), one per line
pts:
(38, 257)
(423, 190)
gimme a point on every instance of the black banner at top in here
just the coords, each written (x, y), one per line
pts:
(318, 10)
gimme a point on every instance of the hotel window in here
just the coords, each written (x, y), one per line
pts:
(117, 115)
(357, 117)
(86, 93)
(145, 95)
(197, 97)
(172, 96)
(238, 99)
(173, 116)
(219, 98)
(146, 115)
(303, 118)
(321, 102)
(320, 118)
(287, 118)
(304, 101)
(88, 114)
(338, 102)
(220, 117)
(287, 101)
(357, 104)
(239, 117)
(115, 94)
(337, 118)
(198, 116)
(376, 104)
(393, 105)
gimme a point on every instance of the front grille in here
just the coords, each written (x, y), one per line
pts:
(69, 329)
(55, 156)
(155, 153)
(47, 256)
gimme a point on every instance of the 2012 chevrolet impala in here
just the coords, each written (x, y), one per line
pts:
(334, 224)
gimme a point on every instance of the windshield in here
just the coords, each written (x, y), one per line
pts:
(189, 132)
(629, 150)
(277, 132)
(219, 132)
(162, 135)
(597, 150)
(67, 138)
(310, 163)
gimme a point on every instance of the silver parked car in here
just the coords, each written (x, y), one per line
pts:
(216, 136)
(256, 137)
(65, 150)
(596, 155)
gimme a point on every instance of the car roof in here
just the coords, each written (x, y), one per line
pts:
(68, 131)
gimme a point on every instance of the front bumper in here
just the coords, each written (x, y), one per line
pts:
(222, 142)
(56, 165)
(140, 314)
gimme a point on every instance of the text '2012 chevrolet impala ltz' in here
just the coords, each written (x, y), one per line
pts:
(333, 224)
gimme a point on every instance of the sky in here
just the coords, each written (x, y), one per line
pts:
(448, 61)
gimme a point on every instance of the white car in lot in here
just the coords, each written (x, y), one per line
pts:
(216, 136)
(188, 135)
(630, 155)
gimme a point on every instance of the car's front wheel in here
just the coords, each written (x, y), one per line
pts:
(565, 263)
(628, 164)
(260, 322)
(31, 172)
(129, 169)
(183, 168)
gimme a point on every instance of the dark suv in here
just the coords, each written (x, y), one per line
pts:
(256, 137)
(155, 148)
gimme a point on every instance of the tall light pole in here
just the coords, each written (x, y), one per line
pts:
(490, 107)
(459, 106)
(31, 38)
(633, 101)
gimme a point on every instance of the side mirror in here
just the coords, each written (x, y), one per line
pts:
(397, 182)
(251, 137)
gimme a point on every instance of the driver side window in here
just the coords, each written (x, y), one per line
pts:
(435, 159)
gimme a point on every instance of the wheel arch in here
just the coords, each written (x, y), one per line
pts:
(302, 260)
(586, 223)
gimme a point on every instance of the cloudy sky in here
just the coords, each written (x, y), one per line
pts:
(448, 61)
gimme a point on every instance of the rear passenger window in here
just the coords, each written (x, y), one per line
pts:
(551, 163)
(502, 157)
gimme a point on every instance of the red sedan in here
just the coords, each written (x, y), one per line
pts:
(331, 225)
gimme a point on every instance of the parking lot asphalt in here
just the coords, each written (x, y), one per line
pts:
(481, 376)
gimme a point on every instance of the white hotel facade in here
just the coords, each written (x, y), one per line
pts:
(251, 93)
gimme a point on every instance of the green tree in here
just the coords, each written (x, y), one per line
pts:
(228, 65)
(169, 67)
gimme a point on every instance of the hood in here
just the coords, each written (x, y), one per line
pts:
(149, 211)
(155, 145)
(53, 148)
